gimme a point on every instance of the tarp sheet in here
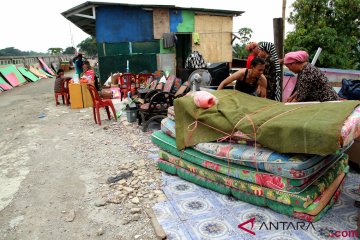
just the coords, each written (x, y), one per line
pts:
(12, 75)
(294, 128)
(32, 77)
(36, 72)
(4, 85)
(46, 74)
(46, 67)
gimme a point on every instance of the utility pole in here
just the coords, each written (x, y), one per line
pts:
(279, 33)
(284, 15)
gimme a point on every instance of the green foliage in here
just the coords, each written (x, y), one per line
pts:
(11, 51)
(239, 50)
(333, 25)
(245, 35)
(88, 46)
(69, 50)
(55, 51)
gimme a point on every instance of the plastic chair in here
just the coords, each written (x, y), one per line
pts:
(99, 103)
(156, 103)
(127, 84)
(64, 93)
(143, 80)
(184, 88)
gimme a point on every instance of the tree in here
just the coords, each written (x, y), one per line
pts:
(239, 50)
(88, 46)
(10, 51)
(69, 50)
(333, 25)
(54, 51)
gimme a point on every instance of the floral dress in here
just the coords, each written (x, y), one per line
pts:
(270, 74)
(312, 85)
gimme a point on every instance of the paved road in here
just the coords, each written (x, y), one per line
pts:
(53, 165)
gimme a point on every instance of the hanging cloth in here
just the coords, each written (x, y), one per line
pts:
(169, 40)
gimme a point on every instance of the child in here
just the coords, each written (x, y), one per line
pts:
(59, 80)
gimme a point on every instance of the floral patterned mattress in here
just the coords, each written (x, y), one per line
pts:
(288, 165)
(310, 210)
(245, 173)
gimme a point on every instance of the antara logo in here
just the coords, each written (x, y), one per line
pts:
(287, 226)
(275, 226)
(241, 226)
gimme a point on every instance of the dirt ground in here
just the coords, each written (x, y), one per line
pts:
(54, 168)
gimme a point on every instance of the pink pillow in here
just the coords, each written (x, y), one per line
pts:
(204, 99)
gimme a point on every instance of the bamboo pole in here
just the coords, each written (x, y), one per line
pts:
(284, 15)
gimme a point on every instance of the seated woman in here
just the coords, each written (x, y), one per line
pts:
(88, 73)
(250, 81)
(312, 84)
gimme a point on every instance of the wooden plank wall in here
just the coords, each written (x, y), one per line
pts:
(161, 21)
(215, 37)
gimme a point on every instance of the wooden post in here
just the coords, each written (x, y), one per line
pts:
(279, 36)
(284, 15)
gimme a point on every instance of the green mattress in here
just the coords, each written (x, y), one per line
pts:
(245, 173)
(300, 200)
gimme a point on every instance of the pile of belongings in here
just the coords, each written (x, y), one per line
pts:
(287, 157)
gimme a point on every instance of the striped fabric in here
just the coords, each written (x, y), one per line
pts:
(270, 48)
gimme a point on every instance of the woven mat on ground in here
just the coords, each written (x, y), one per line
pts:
(196, 213)
(295, 128)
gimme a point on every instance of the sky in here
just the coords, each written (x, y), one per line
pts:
(38, 25)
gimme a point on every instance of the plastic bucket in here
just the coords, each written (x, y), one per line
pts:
(131, 114)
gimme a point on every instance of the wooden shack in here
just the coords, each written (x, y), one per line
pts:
(133, 36)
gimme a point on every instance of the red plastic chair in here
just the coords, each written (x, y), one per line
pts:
(64, 93)
(128, 84)
(144, 80)
(99, 103)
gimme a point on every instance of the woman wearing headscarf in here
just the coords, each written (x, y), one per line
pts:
(253, 49)
(272, 70)
(312, 84)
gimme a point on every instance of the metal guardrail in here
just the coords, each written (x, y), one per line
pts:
(33, 59)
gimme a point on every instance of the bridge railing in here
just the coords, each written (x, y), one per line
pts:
(33, 59)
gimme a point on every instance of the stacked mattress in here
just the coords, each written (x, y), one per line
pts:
(296, 184)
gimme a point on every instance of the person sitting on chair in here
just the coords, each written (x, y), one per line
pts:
(251, 81)
(88, 73)
(59, 80)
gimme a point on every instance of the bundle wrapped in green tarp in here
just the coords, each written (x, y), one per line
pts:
(294, 128)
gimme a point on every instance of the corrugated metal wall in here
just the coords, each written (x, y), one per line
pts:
(141, 55)
(125, 34)
(123, 24)
(131, 33)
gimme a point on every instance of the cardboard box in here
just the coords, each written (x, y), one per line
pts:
(114, 78)
(354, 152)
